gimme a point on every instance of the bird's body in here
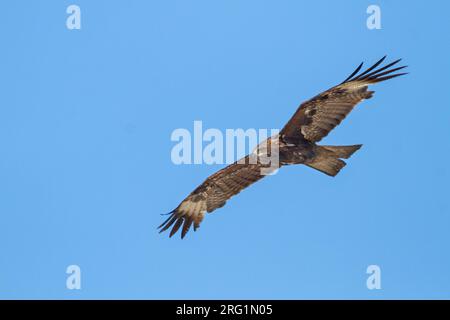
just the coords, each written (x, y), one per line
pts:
(296, 144)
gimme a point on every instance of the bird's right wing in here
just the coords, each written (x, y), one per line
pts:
(315, 118)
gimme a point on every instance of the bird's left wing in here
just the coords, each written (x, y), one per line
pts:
(212, 194)
(315, 118)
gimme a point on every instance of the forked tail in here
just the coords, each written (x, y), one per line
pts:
(328, 158)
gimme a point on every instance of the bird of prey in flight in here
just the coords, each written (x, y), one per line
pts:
(297, 144)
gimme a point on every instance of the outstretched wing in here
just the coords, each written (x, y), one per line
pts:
(212, 194)
(315, 118)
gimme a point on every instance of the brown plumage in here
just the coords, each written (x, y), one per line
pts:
(312, 121)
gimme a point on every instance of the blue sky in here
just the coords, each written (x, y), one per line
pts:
(85, 169)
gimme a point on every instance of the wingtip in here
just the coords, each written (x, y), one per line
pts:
(389, 77)
(166, 214)
(381, 74)
(381, 60)
(354, 72)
